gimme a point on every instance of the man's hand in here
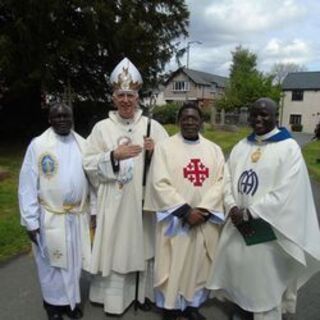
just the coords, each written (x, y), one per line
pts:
(236, 215)
(148, 144)
(33, 235)
(195, 217)
(126, 151)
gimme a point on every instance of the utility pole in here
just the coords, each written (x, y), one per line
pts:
(188, 50)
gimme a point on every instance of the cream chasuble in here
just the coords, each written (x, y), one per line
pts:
(271, 180)
(124, 238)
(180, 173)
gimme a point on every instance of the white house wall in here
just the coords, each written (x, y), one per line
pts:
(308, 108)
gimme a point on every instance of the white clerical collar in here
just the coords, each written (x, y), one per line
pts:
(129, 121)
(190, 141)
(65, 138)
(266, 136)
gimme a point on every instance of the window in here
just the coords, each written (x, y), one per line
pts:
(180, 86)
(295, 118)
(297, 95)
(213, 88)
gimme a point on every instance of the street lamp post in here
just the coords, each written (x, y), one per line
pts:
(188, 50)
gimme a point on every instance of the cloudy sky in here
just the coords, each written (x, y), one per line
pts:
(276, 30)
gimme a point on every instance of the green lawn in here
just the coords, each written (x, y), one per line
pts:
(13, 239)
(311, 153)
(225, 139)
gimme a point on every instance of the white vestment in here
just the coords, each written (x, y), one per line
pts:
(184, 172)
(53, 195)
(271, 180)
(124, 237)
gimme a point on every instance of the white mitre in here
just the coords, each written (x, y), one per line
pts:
(125, 76)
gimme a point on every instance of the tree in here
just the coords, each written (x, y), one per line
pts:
(280, 70)
(246, 83)
(58, 45)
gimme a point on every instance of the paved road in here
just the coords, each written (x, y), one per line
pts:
(20, 297)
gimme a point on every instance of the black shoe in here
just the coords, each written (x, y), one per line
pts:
(55, 316)
(146, 306)
(171, 314)
(192, 313)
(242, 315)
(76, 313)
(53, 312)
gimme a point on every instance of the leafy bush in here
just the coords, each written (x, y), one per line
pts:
(296, 127)
(206, 114)
(166, 113)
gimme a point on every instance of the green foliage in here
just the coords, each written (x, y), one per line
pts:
(225, 139)
(166, 113)
(54, 44)
(13, 239)
(246, 83)
(311, 153)
(206, 114)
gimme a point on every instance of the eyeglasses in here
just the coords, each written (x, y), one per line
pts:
(123, 95)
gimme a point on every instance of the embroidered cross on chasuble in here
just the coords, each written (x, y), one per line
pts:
(196, 172)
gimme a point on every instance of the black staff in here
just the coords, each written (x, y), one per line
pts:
(147, 159)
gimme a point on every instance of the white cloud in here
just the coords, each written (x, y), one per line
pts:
(276, 30)
(286, 51)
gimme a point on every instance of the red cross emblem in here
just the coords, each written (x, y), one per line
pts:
(196, 172)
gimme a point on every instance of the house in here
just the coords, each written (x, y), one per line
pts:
(157, 96)
(201, 87)
(301, 100)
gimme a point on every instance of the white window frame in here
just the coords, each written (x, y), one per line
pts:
(180, 86)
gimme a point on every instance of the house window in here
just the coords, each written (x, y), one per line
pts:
(297, 95)
(181, 86)
(213, 88)
(295, 118)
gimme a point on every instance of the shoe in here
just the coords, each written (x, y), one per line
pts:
(53, 312)
(192, 313)
(171, 314)
(76, 313)
(146, 306)
(243, 315)
(55, 316)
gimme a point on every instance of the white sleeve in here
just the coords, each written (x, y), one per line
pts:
(105, 170)
(28, 191)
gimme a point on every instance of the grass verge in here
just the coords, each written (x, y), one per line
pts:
(311, 153)
(13, 239)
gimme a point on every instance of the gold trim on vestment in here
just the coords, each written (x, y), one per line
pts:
(67, 208)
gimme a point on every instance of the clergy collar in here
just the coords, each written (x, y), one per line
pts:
(63, 138)
(115, 114)
(188, 141)
(275, 135)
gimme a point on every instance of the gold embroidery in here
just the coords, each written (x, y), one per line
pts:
(57, 254)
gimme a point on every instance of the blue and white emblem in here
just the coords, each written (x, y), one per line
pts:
(248, 182)
(48, 165)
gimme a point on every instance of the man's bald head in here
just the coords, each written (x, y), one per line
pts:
(263, 115)
(266, 103)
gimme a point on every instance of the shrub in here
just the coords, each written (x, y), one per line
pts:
(166, 113)
(296, 127)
